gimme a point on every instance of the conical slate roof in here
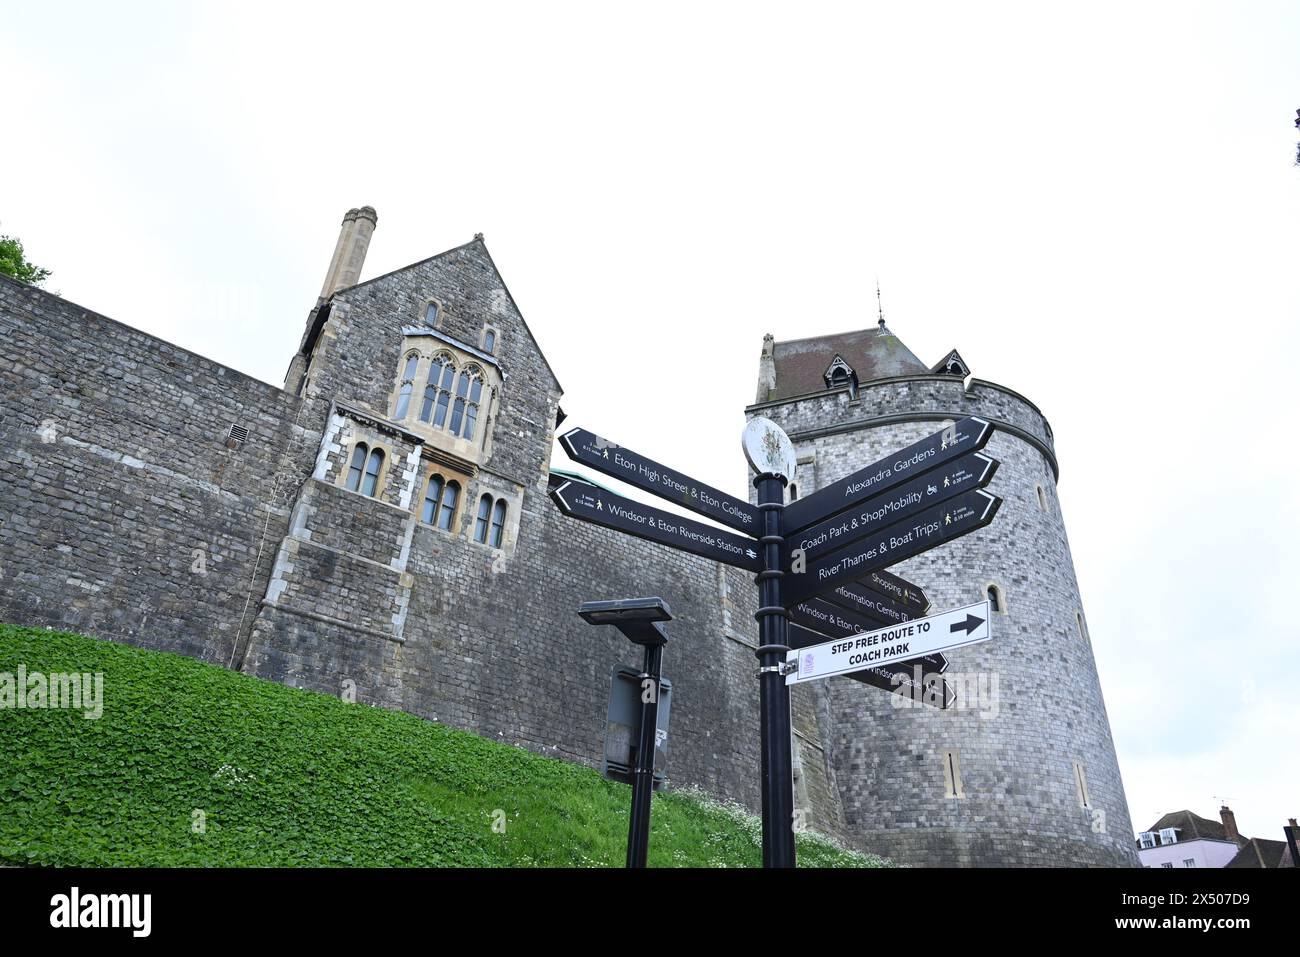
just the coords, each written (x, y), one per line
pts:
(874, 353)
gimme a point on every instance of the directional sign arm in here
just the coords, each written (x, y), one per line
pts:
(621, 463)
(899, 589)
(968, 435)
(935, 526)
(971, 471)
(590, 504)
(887, 646)
(859, 599)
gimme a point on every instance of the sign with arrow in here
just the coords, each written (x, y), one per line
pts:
(899, 676)
(877, 649)
(599, 507)
(971, 471)
(614, 460)
(968, 435)
(831, 622)
(935, 526)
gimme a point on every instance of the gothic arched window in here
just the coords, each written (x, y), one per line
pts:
(370, 481)
(481, 520)
(408, 385)
(458, 410)
(498, 523)
(447, 510)
(473, 400)
(997, 602)
(357, 467)
(441, 371)
(432, 496)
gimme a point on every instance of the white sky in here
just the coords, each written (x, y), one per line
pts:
(1095, 203)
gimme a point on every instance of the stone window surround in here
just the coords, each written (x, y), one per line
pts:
(434, 459)
(425, 303)
(380, 481)
(1000, 592)
(465, 357)
(428, 469)
(953, 788)
(513, 497)
(482, 340)
(493, 502)
(1081, 785)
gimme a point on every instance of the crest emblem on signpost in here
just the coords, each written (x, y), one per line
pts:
(768, 449)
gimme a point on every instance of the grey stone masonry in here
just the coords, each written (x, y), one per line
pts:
(125, 509)
(128, 511)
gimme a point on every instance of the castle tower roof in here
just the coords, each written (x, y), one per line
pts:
(801, 365)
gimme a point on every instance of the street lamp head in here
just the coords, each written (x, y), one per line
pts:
(637, 618)
(625, 609)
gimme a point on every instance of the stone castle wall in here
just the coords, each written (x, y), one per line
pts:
(123, 510)
(117, 474)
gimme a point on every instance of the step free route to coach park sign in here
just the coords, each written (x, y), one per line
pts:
(908, 639)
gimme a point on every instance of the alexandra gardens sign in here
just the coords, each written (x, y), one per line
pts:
(820, 564)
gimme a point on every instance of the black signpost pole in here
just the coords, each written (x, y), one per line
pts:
(643, 774)
(774, 694)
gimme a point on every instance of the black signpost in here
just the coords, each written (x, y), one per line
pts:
(820, 561)
(641, 622)
(773, 693)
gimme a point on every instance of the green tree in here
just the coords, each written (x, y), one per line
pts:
(14, 263)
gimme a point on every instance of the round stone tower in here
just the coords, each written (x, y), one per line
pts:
(1021, 770)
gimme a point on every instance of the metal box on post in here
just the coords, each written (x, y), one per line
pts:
(623, 726)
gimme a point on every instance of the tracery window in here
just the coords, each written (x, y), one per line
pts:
(453, 398)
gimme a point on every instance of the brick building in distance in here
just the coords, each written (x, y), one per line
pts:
(381, 523)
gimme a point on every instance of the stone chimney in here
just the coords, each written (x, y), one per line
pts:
(350, 252)
(767, 369)
(1229, 823)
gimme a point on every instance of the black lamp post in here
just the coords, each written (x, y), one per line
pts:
(639, 619)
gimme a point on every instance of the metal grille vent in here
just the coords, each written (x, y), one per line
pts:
(237, 436)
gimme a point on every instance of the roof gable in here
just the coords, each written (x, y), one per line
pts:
(951, 364)
(468, 257)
